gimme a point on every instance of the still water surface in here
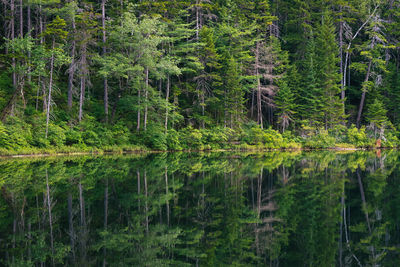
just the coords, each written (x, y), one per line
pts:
(193, 209)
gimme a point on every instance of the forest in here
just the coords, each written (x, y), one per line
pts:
(198, 74)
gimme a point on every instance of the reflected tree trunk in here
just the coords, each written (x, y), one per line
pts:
(146, 209)
(83, 236)
(50, 216)
(166, 194)
(71, 226)
(138, 188)
(105, 219)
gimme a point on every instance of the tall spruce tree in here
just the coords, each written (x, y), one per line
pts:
(328, 76)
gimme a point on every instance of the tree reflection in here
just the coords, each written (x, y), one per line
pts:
(275, 209)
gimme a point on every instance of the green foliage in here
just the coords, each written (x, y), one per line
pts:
(320, 140)
(358, 137)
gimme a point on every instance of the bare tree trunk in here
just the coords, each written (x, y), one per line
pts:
(259, 110)
(105, 219)
(360, 109)
(50, 87)
(138, 188)
(83, 82)
(349, 45)
(50, 216)
(146, 98)
(71, 69)
(21, 20)
(12, 26)
(166, 193)
(29, 33)
(167, 102)
(138, 114)
(71, 226)
(105, 82)
(146, 204)
(83, 222)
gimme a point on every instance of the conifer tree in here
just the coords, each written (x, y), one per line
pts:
(328, 77)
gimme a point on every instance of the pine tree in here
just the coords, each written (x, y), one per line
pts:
(309, 95)
(328, 77)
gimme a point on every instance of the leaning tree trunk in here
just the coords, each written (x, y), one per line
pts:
(50, 87)
(364, 92)
(50, 216)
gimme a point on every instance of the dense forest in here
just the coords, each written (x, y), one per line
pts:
(199, 74)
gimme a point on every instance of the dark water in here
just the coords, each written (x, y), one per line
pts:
(218, 209)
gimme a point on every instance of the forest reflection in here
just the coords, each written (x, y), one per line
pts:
(205, 209)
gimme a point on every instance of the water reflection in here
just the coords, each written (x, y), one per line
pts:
(272, 209)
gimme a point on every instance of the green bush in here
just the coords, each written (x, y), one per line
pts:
(19, 133)
(154, 137)
(320, 140)
(191, 139)
(56, 135)
(357, 137)
(120, 134)
(173, 141)
(4, 138)
(91, 138)
(73, 137)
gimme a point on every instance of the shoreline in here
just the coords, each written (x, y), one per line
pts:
(121, 151)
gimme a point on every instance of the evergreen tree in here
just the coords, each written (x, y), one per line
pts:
(328, 77)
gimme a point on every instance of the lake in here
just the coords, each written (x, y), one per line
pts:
(320, 208)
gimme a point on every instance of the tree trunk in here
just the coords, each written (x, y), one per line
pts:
(50, 216)
(360, 109)
(50, 87)
(146, 97)
(83, 82)
(105, 82)
(146, 204)
(105, 219)
(259, 110)
(29, 33)
(21, 20)
(71, 226)
(71, 69)
(138, 188)
(12, 26)
(166, 194)
(167, 102)
(138, 113)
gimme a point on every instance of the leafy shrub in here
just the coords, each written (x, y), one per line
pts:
(173, 142)
(73, 137)
(91, 138)
(155, 137)
(357, 137)
(320, 140)
(390, 140)
(191, 138)
(4, 138)
(120, 134)
(56, 135)
(19, 133)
